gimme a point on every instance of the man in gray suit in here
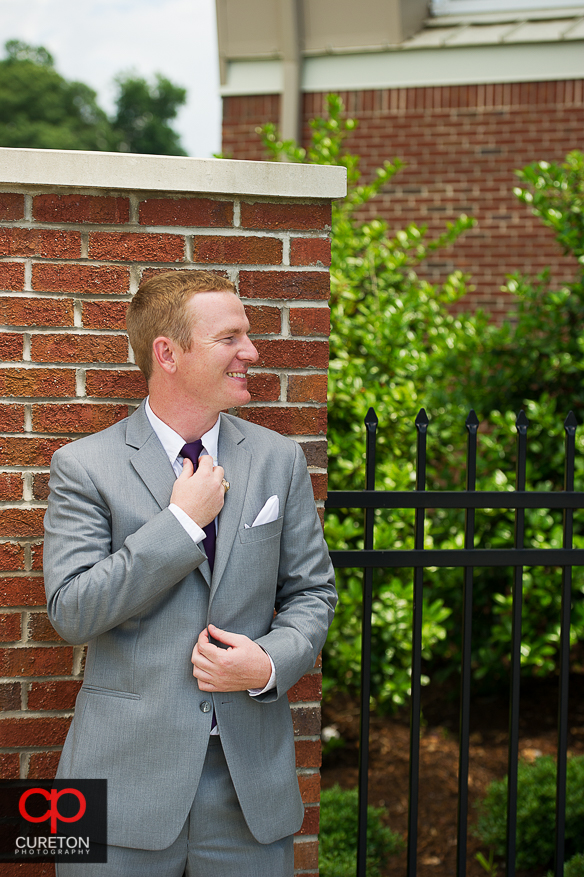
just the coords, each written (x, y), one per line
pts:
(204, 590)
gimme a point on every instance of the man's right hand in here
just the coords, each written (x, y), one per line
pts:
(200, 494)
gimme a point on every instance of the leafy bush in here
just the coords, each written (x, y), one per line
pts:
(536, 805)
(535, 361)
(556, 194)
(396, 346)
(575, 867)
(389, 329)
(338, 835)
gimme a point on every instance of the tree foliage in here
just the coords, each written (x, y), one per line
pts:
(143, 115)
(396, 346)
(40, 109)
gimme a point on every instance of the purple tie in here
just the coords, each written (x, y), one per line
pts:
(192, 451)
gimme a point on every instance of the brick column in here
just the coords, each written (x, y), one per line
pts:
(78, 231)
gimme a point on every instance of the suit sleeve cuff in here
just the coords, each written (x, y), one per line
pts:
(255, 692)
(194, 531)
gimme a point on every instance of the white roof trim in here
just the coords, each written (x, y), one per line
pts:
(457, 65)
(505, 15)
(253, 77)
(502, 8)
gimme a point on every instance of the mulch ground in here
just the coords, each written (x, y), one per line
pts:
(389, 763)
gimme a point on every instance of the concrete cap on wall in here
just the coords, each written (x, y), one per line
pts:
(119, 170)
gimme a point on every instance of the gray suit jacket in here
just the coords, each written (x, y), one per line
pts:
(123, 575)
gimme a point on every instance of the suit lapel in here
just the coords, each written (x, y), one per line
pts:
(150, 460)
(236, 462)
(153, 466)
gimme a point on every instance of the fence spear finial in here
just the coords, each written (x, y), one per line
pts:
(371, 419)
(522, 422)
(472, 421)
(422, 420)
(570, 423)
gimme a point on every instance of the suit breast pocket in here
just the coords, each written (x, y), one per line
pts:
(262, 532)
(110, 692)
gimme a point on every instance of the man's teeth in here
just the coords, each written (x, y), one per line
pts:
(240, 375)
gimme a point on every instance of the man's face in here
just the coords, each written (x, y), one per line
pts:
(213, 371)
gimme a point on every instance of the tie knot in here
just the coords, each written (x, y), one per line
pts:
(192, 450)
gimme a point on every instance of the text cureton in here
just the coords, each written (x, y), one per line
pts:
(55, 842)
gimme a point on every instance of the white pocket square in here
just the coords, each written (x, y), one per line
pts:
(268, 514)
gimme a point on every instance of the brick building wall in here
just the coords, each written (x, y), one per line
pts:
(70, 260)
(461, 145)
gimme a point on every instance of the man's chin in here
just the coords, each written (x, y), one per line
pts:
(241, 398)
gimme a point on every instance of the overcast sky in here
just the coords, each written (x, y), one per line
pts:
(93, 40)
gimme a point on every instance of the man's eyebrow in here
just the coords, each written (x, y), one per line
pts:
(235, 330)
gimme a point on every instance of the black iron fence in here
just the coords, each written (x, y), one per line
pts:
(468, 559)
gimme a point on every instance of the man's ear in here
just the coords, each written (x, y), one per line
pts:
(163, 354)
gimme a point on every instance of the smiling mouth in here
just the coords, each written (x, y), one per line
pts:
(240, 376)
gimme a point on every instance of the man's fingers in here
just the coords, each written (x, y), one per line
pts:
(224, 636)
(200, 645)
(243, 665)
(200, 494)
(205, 653)
(205, 466)
(206, 463)
(187, 469)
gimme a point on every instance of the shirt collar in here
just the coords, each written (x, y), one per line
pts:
(173, 443)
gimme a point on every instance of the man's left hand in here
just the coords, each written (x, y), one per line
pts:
(241, 666)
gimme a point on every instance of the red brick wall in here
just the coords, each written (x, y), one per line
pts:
(461, 145)
(69, 264)
(241, 117)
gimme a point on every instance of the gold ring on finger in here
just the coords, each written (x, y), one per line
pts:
(225, 484)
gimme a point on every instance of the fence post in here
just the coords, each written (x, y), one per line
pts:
(422, 428)
(472, 425)
(371, 422)
(521, 425)
(570, 447)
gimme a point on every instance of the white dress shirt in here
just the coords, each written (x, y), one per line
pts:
(173, 443)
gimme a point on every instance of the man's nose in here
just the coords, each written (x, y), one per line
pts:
(248, 351)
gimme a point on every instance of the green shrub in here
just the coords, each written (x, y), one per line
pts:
(338, 835)
(390, 329)
(536, 805)
(397, 346)
(575, 867)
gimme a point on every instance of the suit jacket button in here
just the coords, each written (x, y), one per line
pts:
(206, 706)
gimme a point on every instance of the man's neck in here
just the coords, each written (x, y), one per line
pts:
(188, 423)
